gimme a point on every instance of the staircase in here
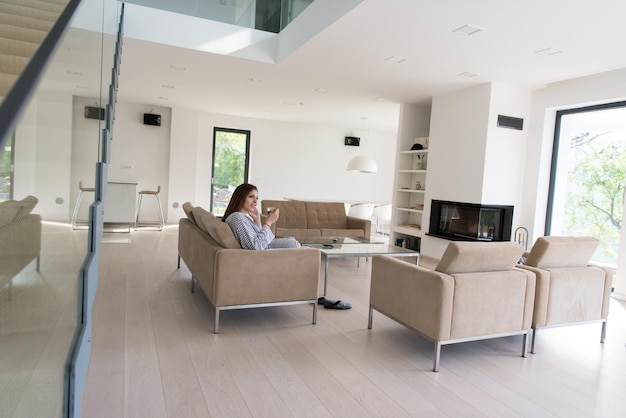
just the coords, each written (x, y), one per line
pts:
(23, 26)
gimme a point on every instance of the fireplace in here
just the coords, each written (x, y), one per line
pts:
(459, 221)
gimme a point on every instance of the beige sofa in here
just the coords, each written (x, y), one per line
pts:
(569, 290)
(474, 293)
(302, 219)
(234, 278)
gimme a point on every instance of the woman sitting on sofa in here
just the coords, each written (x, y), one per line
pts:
(243, 217)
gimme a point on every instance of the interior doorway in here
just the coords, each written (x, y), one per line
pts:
(231, 151)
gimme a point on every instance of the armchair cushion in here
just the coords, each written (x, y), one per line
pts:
(555, 251)
(467, 257)
(218, 230)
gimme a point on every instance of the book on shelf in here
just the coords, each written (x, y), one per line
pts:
(413, 226)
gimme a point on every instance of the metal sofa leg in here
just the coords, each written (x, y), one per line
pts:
(603, 333)
(178, 265)
(216, 325)
(437, 355)
(38, 261)
(193, 284)
(532, 340)
(370, 318)
(525, 345)
(314, 312)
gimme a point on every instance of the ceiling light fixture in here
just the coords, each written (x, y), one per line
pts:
(168, 86)
(254, 80)
(467, 74)
(363, 164)
(467, 30)
(162, 98)
(395, 59)
(177, 67)
(549, 51)
(321, 90)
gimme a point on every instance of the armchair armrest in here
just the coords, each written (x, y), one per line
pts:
(249, 277)
(360, 223)
(415, 296)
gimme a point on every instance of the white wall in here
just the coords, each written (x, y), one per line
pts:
(286, 160)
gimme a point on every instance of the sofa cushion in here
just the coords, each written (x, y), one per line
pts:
(12, 210)
(8, 211)
(550, 252)
(218, 230)
(468, 257)
(201, 217)
(292, 213)
(326, 215)
(188, 208)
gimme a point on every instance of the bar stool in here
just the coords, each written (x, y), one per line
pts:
(155, 193)
(78, 199)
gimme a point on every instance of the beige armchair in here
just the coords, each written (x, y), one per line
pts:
(474, 293)
(569, 290)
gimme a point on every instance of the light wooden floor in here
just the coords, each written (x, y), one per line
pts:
(155, 355)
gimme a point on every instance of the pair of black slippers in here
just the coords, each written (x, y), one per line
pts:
(333, 304)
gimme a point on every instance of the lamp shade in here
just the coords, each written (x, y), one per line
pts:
(362, 163)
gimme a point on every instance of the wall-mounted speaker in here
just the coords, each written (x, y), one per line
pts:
(352, 141)
(92, 112)
(151, 119)
(510, 122)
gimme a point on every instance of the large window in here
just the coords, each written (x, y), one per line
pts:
(588, 176)
(231, 148)
(6, 170)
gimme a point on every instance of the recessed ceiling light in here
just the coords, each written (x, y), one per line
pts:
(177, 67)
(254, 80)
(549, 51)
(467, 74)
(162, 98)
(168, 86)
(320, 90)
(380, 99)
(466, 30)
(395, 59)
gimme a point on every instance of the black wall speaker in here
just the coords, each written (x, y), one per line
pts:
(151, 119)
(510, 122)
(94, 112)
(353, 141)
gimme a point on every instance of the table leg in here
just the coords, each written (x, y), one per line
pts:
(325, 274)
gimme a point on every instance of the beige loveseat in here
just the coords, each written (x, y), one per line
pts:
(569, 289)
(234, 278)
(301, 219)
(20, 237)
(474, 293)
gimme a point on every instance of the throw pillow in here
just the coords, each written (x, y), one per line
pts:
(188, 208)
(8, 211)
(26, 206)
(202, 218)
(222, 234)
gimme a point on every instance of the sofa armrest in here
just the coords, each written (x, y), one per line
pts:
(418, 297)
(360, 223)
(278, 275)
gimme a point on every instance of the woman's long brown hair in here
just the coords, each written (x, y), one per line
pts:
(238, 198)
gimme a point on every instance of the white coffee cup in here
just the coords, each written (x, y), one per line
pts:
(271, 209)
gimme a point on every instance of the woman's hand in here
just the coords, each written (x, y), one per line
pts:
(272, 217)
(256, 217)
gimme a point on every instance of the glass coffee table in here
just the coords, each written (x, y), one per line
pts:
(356, 248)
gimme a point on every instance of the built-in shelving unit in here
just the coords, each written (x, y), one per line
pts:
(411, 184)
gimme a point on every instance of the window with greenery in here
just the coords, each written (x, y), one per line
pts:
(6, 170)
(588, 177)
(231, 148)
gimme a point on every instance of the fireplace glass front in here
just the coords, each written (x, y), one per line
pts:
(469, 221)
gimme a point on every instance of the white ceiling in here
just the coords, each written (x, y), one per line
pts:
(347, 58)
